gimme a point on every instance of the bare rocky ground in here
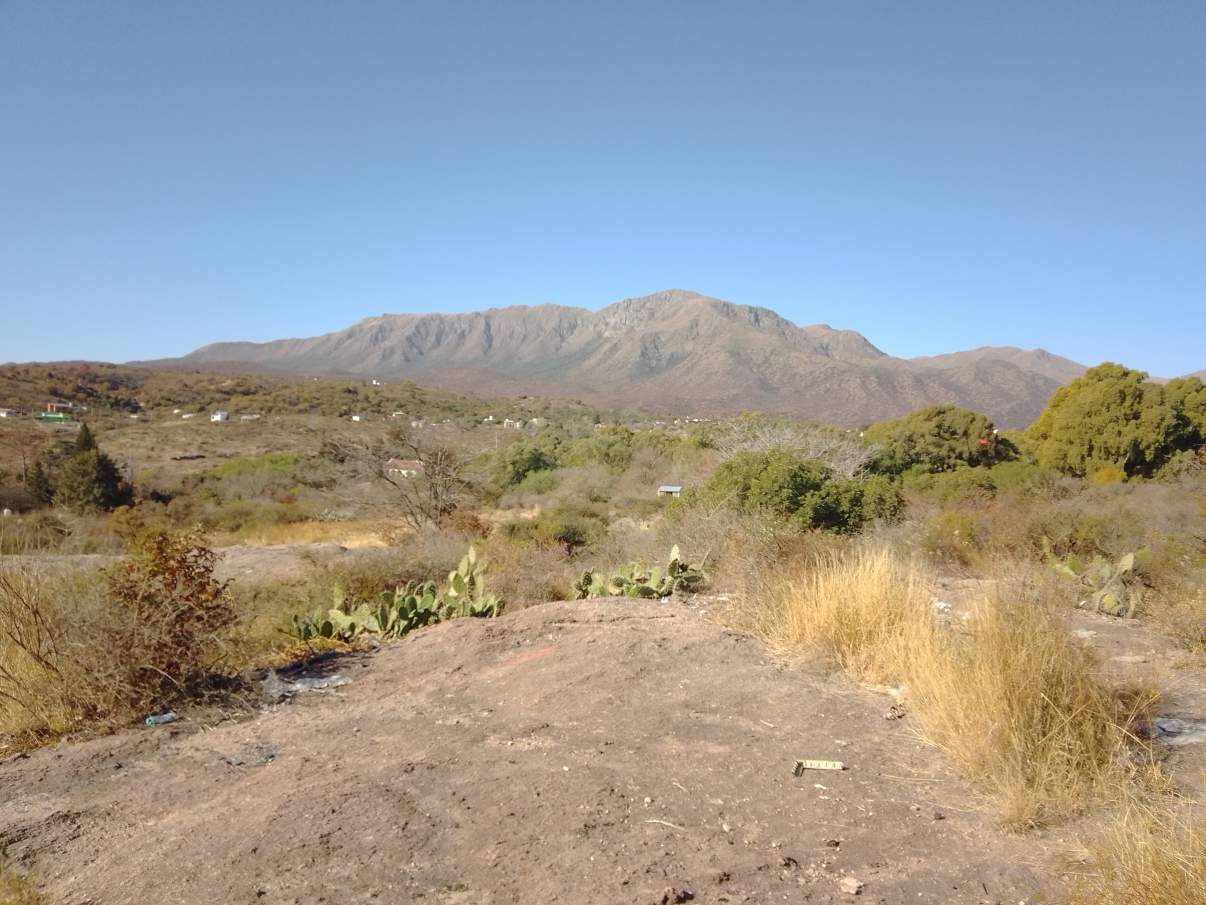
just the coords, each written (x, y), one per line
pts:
(596, 752)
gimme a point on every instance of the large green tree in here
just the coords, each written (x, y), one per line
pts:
(37, 482)
(89, 482)
(937, 438)
(1112, 416)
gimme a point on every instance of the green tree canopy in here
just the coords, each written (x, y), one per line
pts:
(937, 438)
(516, 461)
(89, 482)
(84, 441)
(37, 482)
(1112, 416)
(780, 482)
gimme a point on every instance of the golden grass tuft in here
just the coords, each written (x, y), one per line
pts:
(353, 534)
(1148, 854)
(18, 888)
(1005, 693)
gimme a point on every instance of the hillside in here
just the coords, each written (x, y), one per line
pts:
(674, 351)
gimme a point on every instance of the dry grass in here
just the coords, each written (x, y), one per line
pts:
(1147, 855)
(18, 888)
(356, 533)
(1006, 693)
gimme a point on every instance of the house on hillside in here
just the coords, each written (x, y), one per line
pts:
(674, 490)
(10, 413)
(249, 417)
(60, 407)
(219, 416)
(512, 423)
(188, 415)
(403, 468)
(357, 418)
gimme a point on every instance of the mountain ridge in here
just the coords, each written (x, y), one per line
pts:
(672, 350)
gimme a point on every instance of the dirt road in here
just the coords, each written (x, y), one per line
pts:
(596, 752)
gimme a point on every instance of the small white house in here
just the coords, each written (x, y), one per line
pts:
(403, 468)
(356, 418)
(219, 416)
(8, 413)
(249, 417)
(674, 490)
(418, 423)
(188, 415)
(512, 423)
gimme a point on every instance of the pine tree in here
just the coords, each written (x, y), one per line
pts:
(84, 441)
(89, 482)
(37, 482)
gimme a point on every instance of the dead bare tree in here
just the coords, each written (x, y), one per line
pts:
(844, 453)
(424, 483)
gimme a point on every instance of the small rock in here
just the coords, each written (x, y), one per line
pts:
(672, 896)
(648, 801)
(938, 815)
(895, 712)
(851, 886)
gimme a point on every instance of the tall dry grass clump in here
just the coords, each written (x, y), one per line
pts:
(1018, 706)
(18, 888)
(1147, 855)
(855, 610)
(1005, 692)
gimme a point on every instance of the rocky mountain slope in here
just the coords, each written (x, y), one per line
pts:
(674, 351)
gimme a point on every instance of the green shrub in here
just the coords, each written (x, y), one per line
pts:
(804, 489)
(937, 438)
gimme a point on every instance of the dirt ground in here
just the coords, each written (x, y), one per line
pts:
(595, 752)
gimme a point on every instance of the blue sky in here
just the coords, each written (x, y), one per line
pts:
(935, 175)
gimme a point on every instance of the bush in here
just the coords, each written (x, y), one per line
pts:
(779, 482)
(937, 438)
(177, 611)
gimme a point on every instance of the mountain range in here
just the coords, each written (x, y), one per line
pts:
(671, 352)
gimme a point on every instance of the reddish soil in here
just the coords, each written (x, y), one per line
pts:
(599, 752)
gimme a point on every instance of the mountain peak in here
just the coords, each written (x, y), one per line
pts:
(673, 350)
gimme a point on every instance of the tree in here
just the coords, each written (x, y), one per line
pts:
(937, 438)
(426, 497)
(37, 482)
(84, 441)
(517, 460)
(1113, 417)
(90, 482)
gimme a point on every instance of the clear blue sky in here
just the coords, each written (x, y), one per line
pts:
(935, 175)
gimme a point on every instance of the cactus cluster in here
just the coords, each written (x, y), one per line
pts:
(405, 608)
(1111, 585)
(634, 580)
